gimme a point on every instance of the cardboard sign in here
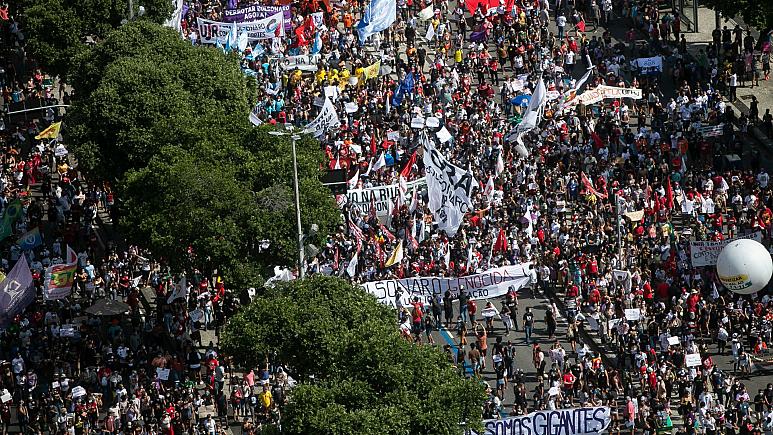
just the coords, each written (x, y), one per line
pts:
(632, 314)
(78, 392)
(163, 374)
(673, 341)
(692, 360)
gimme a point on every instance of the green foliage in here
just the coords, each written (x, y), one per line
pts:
(132, 102)
(56, 29)
(754, 13)
(357, 375)
(167, 122)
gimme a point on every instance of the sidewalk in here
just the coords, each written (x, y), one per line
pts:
(700, 40)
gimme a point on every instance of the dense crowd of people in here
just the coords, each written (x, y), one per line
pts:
(602, 206)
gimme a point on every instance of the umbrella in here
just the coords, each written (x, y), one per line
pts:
(107, 307)
(520, 100)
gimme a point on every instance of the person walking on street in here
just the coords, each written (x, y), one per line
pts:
(528, 324)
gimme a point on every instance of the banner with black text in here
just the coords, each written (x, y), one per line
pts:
(572, 421)
(489, 284)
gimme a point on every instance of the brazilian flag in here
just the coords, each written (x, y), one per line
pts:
(11, 215)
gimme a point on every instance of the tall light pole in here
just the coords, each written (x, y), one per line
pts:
(294, 137)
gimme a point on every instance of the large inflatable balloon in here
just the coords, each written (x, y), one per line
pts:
(744, 266)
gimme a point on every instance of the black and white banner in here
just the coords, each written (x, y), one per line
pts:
(489, 284)
(705, 253)
(380, 196)
(572, 421)
(326, 120)
(448, 187)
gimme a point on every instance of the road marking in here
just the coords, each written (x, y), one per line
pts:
(448, 338)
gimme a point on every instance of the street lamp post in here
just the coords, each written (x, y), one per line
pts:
(294, 137)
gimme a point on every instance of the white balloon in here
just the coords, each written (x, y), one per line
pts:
(744, 266)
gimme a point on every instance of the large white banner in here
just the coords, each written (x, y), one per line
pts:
(326, 120)
(705, 253)
(381, 196)
(572, 421)
(601, 92)
(212, 32)
(488, 284)
(448, 187)
(267, 28)
(303, 62)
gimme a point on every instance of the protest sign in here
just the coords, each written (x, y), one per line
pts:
(707, 130)
(649, 65)
(448, 187)
(489, 284)
(326, 120)
(705, 253)
(78, 392)
(572, 421)
(632, 314)
(67, 330)
(601, 92)
(380, 196)
(692, 360)
(6, 397)
(256, 12)
(163, 374)
(673, 341)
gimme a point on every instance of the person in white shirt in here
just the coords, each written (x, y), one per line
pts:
(763, 178)
(561, 23)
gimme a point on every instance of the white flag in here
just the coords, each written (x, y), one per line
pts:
(430, 32)
(354, 180)
(351, 269)
(426, 13)
(500, 164)
(448, 188)
(180, 291)
(489, 191)
(414, 201)
(380, 163)
(175, 21)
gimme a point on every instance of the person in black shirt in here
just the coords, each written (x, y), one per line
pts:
(528, 324)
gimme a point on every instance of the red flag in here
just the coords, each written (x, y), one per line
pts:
(305, 32)
(327, 6)
(581, 26)
(373, 144)
(386, 144)
(501, 243)
(669, 194)
(380, 254)
(337, 259)
(4, 13)
(414, 243)
(407, 169)
(596, 140)
(656, 203)
(589, 187)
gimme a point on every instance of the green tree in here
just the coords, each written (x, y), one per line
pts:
(356, 374)
(56, 30)
(754, 13)
(130, 104)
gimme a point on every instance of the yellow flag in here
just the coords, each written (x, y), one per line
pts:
(371, 72)
(397, 255)
(52, 132)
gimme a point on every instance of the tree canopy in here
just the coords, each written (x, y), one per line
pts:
(145, 88)
(754, 13)
(56, 29)
(356, 374)
(167, 123)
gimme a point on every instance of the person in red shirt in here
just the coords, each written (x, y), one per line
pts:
(569, 380)
(416, 315)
